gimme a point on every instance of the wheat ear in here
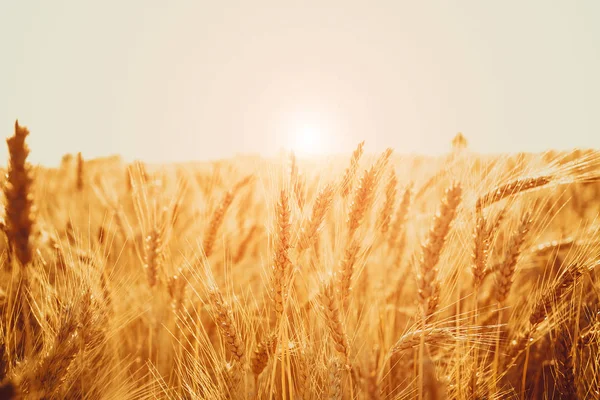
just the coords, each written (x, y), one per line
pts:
(427, 275)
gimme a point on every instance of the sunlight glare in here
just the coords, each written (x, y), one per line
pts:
(307, 140)
(309, 134)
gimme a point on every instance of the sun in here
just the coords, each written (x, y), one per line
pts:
(308, 133)
(307, 139)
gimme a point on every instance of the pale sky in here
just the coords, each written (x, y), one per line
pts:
(187, 80)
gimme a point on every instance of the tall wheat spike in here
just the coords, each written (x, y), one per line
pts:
(507, 269)
(281, 260)
(19, 196)
(346, 184)
(427, 275)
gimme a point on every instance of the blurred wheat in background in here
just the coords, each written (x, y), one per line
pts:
(370, 277)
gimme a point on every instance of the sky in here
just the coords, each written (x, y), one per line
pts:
(196, 80)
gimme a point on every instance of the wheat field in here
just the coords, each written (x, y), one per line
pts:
(368, 276)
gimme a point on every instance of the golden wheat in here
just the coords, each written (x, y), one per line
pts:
(246, 279)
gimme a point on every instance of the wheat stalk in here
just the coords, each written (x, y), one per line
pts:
(507, 269)
(333, 319)
(427, 278)
(19, 197)
(348, 178)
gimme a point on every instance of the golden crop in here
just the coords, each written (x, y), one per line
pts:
(371, 277)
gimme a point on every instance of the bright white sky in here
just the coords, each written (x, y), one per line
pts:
(183, 80)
